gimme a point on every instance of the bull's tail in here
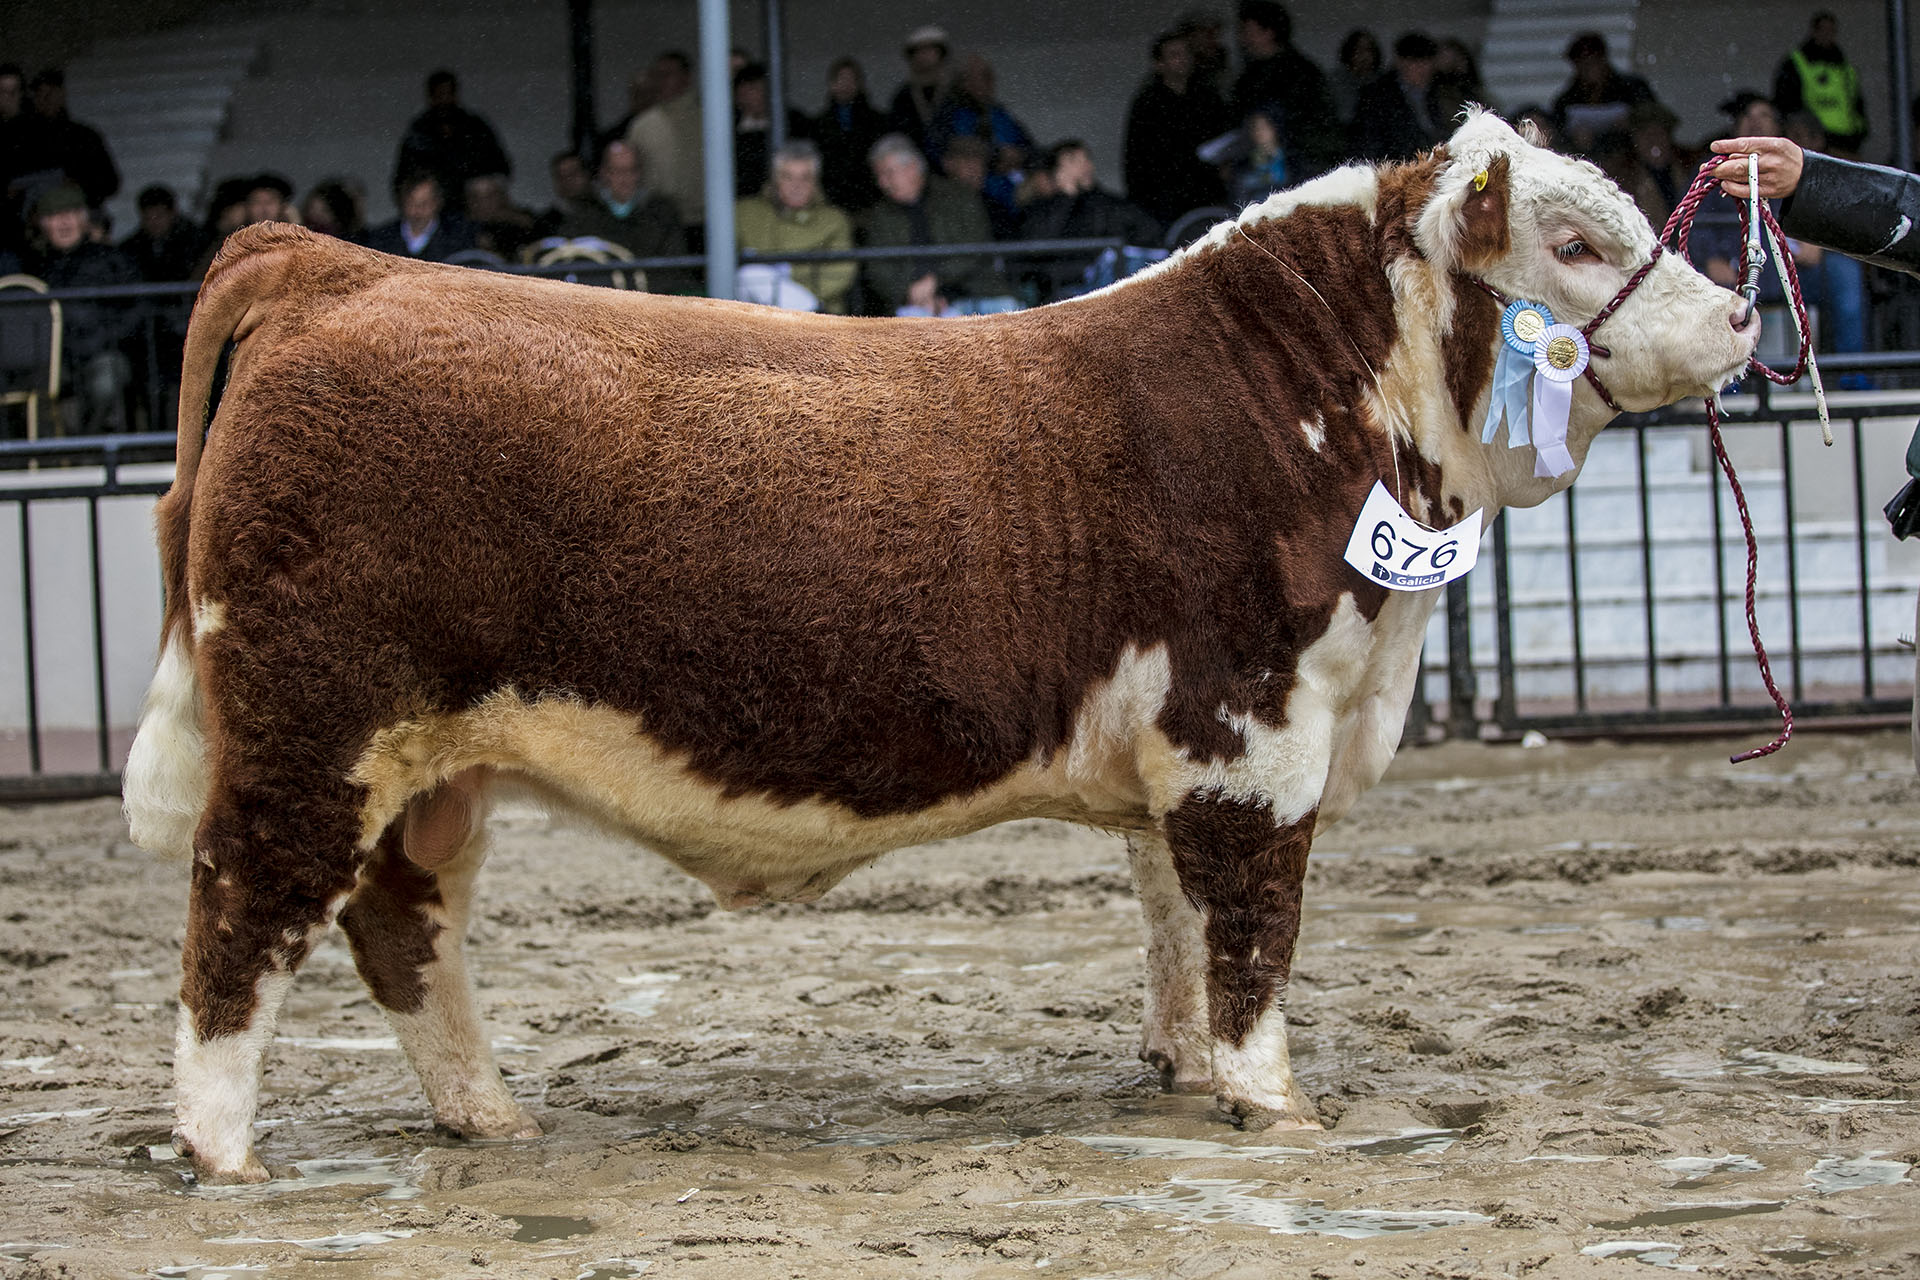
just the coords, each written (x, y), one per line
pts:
(164, 789)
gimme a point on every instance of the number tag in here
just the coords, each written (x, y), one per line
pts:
(1401, 554)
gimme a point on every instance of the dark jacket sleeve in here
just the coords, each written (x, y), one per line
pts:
(1863, 210)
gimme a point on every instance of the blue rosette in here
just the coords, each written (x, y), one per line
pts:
(1521, 325)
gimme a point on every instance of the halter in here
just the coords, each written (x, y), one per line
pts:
(1587, 330)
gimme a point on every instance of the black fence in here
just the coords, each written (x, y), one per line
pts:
(1618, 607)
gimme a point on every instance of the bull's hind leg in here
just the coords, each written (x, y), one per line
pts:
(407, 923)
(270, 866)
(1174, 1036)
(1245, 870)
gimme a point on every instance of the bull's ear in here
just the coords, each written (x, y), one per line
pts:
(1481, 232)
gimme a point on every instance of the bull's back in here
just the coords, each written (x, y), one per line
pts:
(809, 557)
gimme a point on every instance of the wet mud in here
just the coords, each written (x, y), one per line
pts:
(1582, 1010)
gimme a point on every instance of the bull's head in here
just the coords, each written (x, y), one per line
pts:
(1538, 225)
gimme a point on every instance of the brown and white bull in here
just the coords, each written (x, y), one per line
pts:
(775, 594)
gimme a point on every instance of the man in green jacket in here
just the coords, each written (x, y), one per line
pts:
(919, 209)
(792, 216)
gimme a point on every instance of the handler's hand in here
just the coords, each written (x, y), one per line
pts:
(1780, 164)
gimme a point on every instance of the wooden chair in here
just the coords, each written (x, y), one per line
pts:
(29, 351)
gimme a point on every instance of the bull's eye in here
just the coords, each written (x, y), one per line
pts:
(1574, 250)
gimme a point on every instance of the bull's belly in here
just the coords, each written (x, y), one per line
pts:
(748, 848)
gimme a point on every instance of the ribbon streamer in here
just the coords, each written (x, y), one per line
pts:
(1560, 356)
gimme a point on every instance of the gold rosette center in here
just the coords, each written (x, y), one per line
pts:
(1562, 352)
(1528, 325)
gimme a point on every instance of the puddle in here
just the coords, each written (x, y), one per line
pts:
(645, 1002)
(344, 1044)
(1409, 1142)
(1557, 1158)
(208, 1271)
(367, 1171)
(535, 1228)
(329, 1244)
(1678, 1214)
(1761, 1061)
(38, 1066)
(1834, 1106)
(1226, 1200)
(1837, 1173)
(1130, 1148)
(1654, 1253)
(1700, 1166)
(35, 1117)
(1805, 1250)
(613, 1269)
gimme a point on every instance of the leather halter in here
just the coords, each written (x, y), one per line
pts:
(1587, 330)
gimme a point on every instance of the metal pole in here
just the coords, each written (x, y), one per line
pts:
(1462, 721)
(585, 129)
(716, 129)
(776, 77)
(1902, 81)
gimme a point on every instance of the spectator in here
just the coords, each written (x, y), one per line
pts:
(1169, 120)
(1832, 282)
(918, 209)
(791, 216)
(973, 109)
(499, 225)
(269, 199)
(1656, 174)
(1359, 65)
(666, 138)
(643, 91)
(1080, 209)
(622, 210)
(572, 183)
(924, 91)
(1278, 75)
(449, 142)
(1817, 78)
(13, 87)
(426, 229)
(753, 129)
(1262, 169)
(166, 244)
(969, 162)
(1394, 120)
(1456, 84)
(54, 147)
(1205, 35)
(331, 210)
(95, 333)
(845, 131)
(1597, 99)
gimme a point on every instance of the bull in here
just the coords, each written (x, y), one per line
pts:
(775, 594)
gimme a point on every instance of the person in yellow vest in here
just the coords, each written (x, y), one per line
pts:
(1818, 79)
(792, 216)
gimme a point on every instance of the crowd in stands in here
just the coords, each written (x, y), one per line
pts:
(946, 162)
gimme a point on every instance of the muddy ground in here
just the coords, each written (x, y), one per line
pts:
(1566, 1011)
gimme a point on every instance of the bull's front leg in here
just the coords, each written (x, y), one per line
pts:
(1244, 870)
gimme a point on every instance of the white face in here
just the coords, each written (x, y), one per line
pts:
(1576, 241)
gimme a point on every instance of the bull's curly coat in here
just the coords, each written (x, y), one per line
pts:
(776, 593)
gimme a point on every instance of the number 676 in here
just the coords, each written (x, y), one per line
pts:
(1384, 548)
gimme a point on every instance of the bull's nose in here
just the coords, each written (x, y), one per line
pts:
(1744, 322)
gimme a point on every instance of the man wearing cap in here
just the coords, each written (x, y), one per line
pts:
(924, 91)
(1595, 103)
(93, 333)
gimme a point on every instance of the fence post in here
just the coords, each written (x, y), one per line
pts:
(1461, 690)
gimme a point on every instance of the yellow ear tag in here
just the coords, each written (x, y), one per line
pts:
(1480, 180)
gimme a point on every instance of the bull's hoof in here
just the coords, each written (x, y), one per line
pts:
(513, 1123)
(1172, 1078)
(1255, 1118)
(210, 1174)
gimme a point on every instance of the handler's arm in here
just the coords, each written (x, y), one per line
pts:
(1865, 210)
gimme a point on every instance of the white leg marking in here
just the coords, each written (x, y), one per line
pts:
(1315, 431)
(165, 786)
(1174, 1035)
(1254, 1079)
(444, 1039)
(216, 1086)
